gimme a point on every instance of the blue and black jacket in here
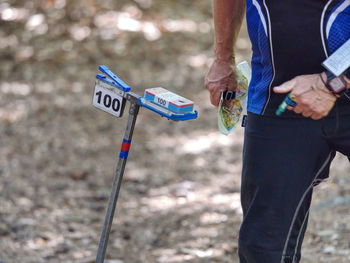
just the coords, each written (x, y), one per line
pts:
(291, 38)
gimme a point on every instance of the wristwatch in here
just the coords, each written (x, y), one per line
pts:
(335, 84)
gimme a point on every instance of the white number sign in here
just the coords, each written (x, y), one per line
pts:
(108, 99)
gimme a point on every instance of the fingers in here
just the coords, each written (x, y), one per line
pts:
(311, 101)
(307, 114)
(297, 109)
(219, 78)
(215, 98)
(215, 90)
(217, 87)
(285, 87)
(316, 116)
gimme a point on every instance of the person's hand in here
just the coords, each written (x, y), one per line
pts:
(219, 78)
(311, 96)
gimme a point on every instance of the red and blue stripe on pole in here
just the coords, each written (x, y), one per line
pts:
(125, 149)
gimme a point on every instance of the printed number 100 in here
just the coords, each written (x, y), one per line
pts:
(107, 101)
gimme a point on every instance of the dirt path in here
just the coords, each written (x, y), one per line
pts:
(180, 195)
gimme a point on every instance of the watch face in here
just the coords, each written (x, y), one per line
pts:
(337, 85)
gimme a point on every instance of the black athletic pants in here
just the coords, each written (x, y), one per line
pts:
(283, 159)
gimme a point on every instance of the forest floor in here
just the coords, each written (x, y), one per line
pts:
(180, 199)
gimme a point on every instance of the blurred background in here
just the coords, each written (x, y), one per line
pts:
(180, 199)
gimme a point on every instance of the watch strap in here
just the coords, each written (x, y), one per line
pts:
(329, 75)
(336, 85)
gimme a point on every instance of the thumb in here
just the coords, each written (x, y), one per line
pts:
(285, 87)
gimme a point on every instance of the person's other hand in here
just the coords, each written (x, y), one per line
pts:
(311, 96)
(219, 78)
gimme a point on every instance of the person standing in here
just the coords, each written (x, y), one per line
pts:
(284, 157)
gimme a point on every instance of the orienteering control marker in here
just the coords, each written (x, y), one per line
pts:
(110, 95)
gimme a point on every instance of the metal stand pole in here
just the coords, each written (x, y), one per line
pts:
(133, 111)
